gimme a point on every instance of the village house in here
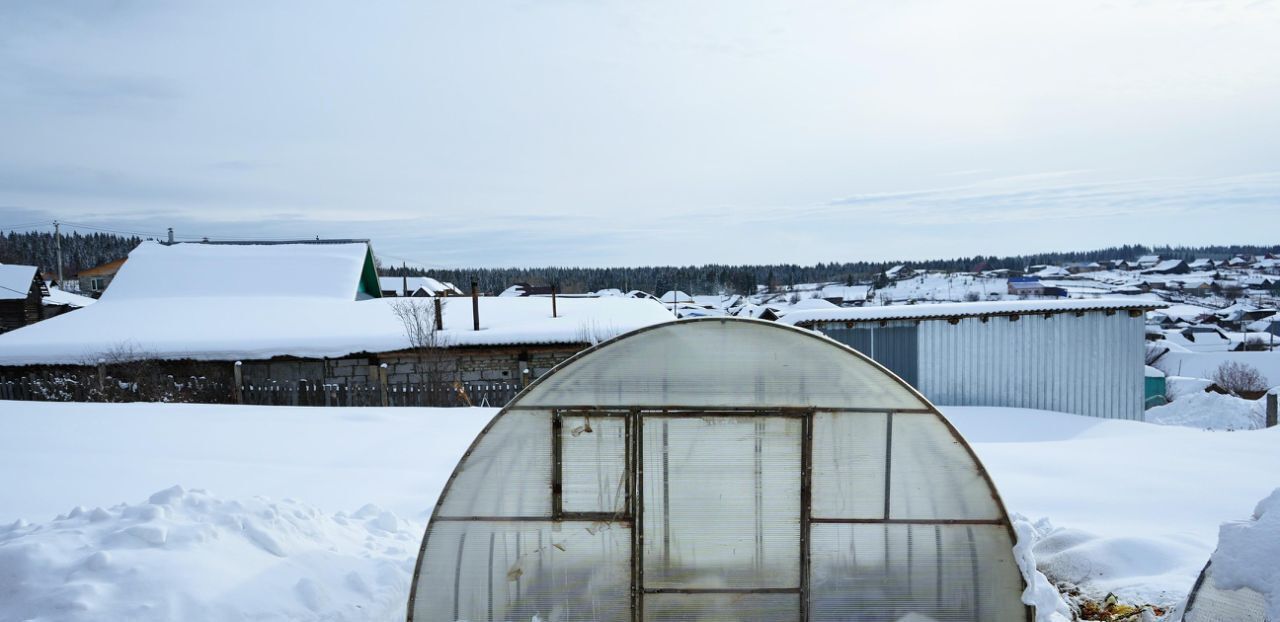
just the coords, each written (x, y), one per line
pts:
(1148, 261)
(204, 310)
(21, 293)
(94, 281)
(415, 287)
(1169, 266)
(847, 295)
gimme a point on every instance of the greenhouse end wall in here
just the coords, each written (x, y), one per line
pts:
(595, 497)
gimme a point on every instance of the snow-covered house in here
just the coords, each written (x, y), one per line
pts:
(1147, 261)
(1201, 339)
(677, 297)
(94, 281)
(59, 301)
(416, 286)
(1169, 266)
(846, 295)
(21, 292)
(1031, 287)
(1077, 356)
(899, 272)
(1052, 272)
(200, 308)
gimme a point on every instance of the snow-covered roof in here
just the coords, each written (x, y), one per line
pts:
(1025, 284)
(751, 310)
(228, 329)
(1168, 264)
(15, 281)
(432, 286)
(811, 304)
(676, 296)
(1184, 312)
(59, 297)
(965, 309)
(846, 292)
(1052, 271)
(1151, 259)
(156, 271)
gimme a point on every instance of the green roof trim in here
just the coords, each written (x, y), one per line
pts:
(368, 284)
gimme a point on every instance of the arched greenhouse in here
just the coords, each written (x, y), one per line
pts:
(718, 469)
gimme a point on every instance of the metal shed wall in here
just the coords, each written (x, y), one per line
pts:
(1090, 364)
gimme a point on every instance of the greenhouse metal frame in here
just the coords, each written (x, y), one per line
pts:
(718, 466)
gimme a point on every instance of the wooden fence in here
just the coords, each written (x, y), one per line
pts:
(197, 390)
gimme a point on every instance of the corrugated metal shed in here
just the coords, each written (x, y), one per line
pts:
(1065, 356)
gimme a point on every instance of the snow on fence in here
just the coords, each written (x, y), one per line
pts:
(200, 390)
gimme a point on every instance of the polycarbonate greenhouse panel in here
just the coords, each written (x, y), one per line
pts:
(726, 607)
(849, 464)
(508, 472)
(593, 463)
(684, 472)
(949, 573)
(515, 570)
(740, 364)
(1210, 603)
(722, 502)
(933, 475)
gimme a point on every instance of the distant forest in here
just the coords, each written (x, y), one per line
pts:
(86, 251)
(743, 279)
(79, 252)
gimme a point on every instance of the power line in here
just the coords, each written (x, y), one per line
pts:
(45, 223)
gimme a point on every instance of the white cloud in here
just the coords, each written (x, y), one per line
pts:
(678, 132)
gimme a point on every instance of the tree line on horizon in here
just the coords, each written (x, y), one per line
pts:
(80, 252)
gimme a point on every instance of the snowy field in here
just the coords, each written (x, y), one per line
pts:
(288, 513)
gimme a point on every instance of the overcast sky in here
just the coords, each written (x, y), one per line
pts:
(594, 132)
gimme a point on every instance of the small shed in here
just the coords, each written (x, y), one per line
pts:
(718, 469)
(1076, 356)
(1155, 387)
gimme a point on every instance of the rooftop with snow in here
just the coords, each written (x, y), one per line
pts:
(250, 302)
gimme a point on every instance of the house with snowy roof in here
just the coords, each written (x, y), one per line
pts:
(846, 295)
(416, 286)
(1147, 261)
(94, 281)
(21, 292)
(203, 310)
(1169, 266)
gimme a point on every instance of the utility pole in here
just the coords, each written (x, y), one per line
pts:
(57, 242)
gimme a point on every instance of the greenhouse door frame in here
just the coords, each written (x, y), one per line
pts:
(633, 506)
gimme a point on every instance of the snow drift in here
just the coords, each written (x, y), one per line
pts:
(189, 555)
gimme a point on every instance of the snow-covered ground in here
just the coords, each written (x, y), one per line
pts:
(1122, 506)
(1118, 506)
